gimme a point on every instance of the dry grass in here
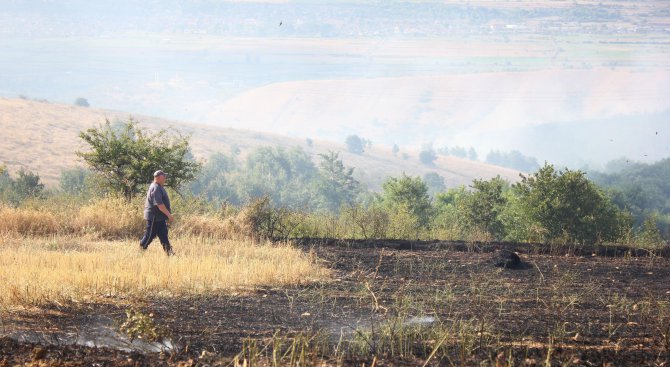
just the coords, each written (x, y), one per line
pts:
(212, 226)
(62, 253)
(61, 269)
(27, 221)
(109, 218)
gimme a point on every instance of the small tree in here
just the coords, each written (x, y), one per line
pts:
(126, 158)
(81, 102)
(650, 235)
(459, 152)
(355, 144)
(336, 183)
(485, 204)
(472, 154)
(434, 182)
(427, 156)
(28, 184)
(410, 195)
(395, 149)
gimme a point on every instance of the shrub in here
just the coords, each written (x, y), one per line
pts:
(367, 222)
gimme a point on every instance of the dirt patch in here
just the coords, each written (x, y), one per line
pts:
(575, 306)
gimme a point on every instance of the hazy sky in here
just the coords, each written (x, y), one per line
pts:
(558, 80)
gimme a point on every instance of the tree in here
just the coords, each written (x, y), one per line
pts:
(337, 185)
(214, 181)
(126, 158)
(286, 177)
(355, 144)
(484, 205)
(459, 152)
(81, 102)
(74, 181)
(567, 205)
(650, 236)
(395, 149)
(28, 184)
(427, 156)
(434, 182)
(410, 194)
(513, 159)
(472, 154)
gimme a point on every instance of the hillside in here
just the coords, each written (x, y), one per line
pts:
(439, 107)
(42, 137)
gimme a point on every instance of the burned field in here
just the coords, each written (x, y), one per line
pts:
(386, 303)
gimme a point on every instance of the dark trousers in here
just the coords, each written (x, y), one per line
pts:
(156, 228)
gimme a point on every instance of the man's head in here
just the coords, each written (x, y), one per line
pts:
(160, 176)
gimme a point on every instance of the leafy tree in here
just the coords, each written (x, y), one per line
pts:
(81, 102)
(434, 182)
(650, 235)
(459, 152)
(74, 181)
(286, 177)
(126, 159)
(443, 151)
(355, 144)
(28, 184)
(513, 159)
(337, 185)
(641, 188)
(448, 218)
(567, 205)
(215, 182)
(409, 194)
(484, 205)
(427, 156)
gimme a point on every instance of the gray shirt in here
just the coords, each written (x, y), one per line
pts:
(156, 195)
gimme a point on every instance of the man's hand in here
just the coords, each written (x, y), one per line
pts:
(165, 211)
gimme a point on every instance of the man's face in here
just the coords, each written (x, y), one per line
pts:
(161, 179)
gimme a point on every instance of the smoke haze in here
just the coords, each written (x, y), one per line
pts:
(577, 83)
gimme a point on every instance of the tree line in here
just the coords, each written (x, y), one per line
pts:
(549, 205)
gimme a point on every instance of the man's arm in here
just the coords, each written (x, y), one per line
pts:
(165, 211)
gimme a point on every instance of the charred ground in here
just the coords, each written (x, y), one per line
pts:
(387, 302)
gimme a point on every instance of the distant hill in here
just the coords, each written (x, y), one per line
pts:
(42, 137)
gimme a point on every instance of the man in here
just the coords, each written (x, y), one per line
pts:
(157, 212)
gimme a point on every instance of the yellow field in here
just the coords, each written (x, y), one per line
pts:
(62, 256)
(36, 271)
